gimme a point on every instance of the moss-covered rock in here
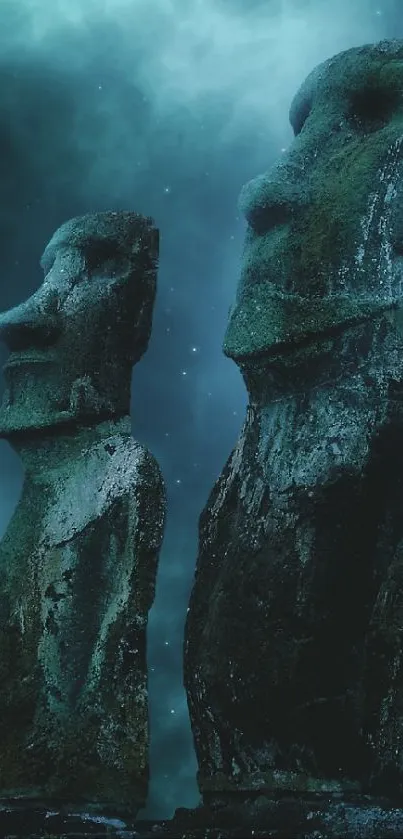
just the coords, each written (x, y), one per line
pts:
(325, 222)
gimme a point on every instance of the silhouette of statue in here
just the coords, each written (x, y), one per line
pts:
(293, 641)
(78, 561)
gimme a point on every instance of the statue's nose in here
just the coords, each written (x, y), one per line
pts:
(31, 324)
(272, 199)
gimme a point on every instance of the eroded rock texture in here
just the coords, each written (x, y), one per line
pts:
(78, 561)
(293, 647)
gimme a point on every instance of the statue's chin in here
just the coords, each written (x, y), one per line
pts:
(33, 404)
(16, 419)
(34, 415)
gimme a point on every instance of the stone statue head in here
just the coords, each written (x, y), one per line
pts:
(74, 342)
(324, 244)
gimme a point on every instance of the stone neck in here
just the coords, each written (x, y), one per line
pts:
(56, 451)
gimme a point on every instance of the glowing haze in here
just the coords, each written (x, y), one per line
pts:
(194, 56)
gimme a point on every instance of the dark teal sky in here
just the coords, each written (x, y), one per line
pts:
(165, 107)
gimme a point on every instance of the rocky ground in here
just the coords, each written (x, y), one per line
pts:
(286, 819)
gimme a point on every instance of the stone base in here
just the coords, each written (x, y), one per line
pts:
(285, 818)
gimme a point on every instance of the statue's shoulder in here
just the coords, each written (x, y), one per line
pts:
(116, 469)
(128, 465)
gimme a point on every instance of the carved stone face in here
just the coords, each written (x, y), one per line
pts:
(74, 342)
(324, 246)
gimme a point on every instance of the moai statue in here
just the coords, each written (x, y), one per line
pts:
(294, 634)
(78, 561)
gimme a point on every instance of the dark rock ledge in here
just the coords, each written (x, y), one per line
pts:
(304, 818)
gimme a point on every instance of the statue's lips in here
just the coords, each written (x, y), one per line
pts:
(19, 359)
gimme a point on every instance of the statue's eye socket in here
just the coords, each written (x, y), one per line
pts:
(102, 256)
(372, 107)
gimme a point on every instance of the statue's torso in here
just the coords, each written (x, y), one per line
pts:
(78, 572)
(295, 542)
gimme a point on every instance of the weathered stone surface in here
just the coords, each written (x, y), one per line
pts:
(293, 640)
(281, 819)
(78, 561)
